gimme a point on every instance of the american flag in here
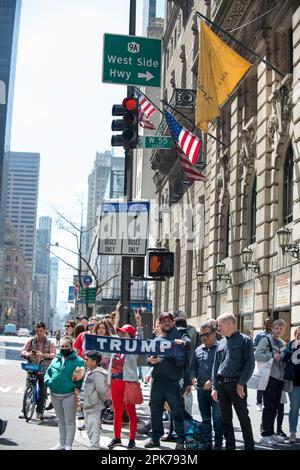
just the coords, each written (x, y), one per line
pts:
(146, 109)
(188, 142)
(190, 172)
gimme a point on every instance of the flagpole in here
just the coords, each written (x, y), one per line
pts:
(181, 114)
(188, 119)
(147, 97)
(251, 51)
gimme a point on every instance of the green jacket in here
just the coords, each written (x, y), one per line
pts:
(59, 375)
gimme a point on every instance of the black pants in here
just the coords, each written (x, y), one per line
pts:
(259, 397)
(272, 396)
(280, 416)
(228, 396)
(171, 393)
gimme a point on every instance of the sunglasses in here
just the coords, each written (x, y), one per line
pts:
(205, 335)
(68, 326)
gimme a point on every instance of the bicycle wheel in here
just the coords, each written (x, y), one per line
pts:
(28, 402)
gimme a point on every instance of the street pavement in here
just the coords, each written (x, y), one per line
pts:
(41, 435)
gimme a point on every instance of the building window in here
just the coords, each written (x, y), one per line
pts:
(224, 231)
(288, 186)
(253, 214)
(227, 233)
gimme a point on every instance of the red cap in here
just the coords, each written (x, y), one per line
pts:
(127, 329)
(166, 315)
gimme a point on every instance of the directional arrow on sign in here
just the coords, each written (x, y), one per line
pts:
(146, 75)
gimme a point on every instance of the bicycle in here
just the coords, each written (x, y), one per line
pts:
(31, 390)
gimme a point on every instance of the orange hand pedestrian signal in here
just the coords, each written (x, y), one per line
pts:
(160, 264)
(154, 264)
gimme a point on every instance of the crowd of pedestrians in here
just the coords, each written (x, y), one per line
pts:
(218, 361)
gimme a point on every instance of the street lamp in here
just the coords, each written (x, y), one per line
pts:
(246, 255)
(284, 240)
(200, 280)
(221, 274)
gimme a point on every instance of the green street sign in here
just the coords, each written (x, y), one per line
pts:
(158, 142)
(131, 60)
(155, 142)
(88, 295)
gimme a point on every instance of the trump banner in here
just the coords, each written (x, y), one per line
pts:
(112, 344)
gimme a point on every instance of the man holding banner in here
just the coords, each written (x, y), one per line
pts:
(166, 374)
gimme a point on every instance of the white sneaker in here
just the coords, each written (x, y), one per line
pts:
(68, 448)
(57, 447)
(267, 441)
(292, 437)
(259, 407)
(278, 439)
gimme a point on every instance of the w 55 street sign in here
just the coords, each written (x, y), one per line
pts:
(131, 60)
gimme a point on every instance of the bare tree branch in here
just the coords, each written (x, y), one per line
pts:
(61, 259)
(92, 247)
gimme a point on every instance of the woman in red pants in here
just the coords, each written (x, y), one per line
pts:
(123, 368)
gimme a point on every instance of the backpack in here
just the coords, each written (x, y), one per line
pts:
(3, 425)
(195, 434)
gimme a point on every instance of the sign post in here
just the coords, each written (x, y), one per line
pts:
(131, 60)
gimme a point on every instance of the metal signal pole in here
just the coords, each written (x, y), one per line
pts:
(126, 260)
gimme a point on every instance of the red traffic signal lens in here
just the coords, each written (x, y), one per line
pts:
(131, 104)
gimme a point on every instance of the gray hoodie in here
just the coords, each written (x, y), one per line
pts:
(94, 389)
(263, 353)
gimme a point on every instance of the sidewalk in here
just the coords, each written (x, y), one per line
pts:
(107, 432)
(143, 415)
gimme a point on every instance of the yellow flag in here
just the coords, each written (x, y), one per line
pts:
(219, 71)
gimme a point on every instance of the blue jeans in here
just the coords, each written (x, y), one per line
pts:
(294, 409)
(208, 407)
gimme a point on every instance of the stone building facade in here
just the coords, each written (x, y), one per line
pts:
(253, 181)
(14, 302)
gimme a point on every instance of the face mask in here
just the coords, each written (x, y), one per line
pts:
(65, 352)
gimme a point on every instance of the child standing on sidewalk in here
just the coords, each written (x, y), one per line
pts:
(93, 395)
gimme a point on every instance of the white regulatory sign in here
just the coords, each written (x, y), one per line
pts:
(123, 228)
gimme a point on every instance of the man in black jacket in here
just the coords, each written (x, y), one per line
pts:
(166, 374)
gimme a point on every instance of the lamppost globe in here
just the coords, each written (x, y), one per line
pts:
(200, 277)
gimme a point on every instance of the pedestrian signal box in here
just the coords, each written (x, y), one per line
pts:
(160, 263)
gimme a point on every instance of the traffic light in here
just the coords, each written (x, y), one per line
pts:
(128, 124)
(160, 263)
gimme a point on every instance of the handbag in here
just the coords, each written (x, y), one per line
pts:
(133, 393)
(260, 377)
(289, 372)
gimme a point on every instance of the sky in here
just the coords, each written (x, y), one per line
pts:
(62, 110)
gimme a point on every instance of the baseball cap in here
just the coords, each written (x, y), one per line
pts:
(166, 315)
(82, 317)
(127, 329)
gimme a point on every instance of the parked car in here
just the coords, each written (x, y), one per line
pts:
(10, 329)
(23, 332)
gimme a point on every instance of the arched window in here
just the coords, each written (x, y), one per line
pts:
(253, 214)
(288, 186)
